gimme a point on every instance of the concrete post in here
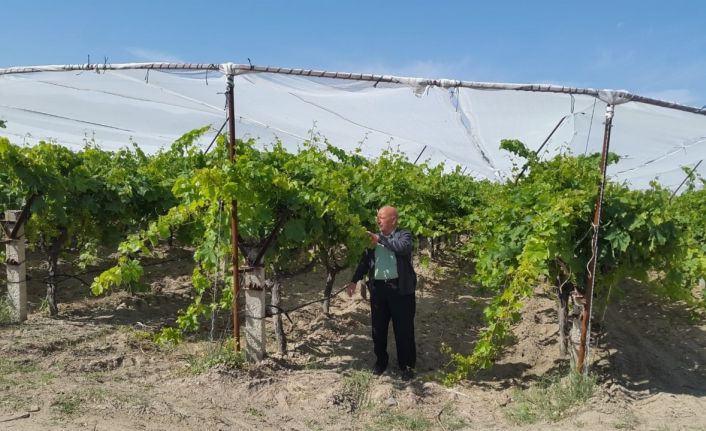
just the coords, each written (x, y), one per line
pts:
(254, 287)
(16, 270)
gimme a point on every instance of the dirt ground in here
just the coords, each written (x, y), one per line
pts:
(94, 367)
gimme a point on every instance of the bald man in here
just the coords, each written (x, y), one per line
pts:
(392, 283)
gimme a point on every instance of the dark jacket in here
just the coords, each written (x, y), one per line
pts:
(399, 242)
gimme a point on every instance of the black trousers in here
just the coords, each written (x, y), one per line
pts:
(387, 303)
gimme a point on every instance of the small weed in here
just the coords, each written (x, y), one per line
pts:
(455, 423)
(450, 419)
(43, 306)
(438, 271)
(313, 424)
(168, 337)
(13, 402)
(141, 402)
(401, 421)
(23, 374)
(314, 365)
(93, 393)
(144, 340)
(5, 311)
(627, 422)
(66, 404)
(252, 411)
(39, 378)
(356, 388)
(141, 335)
(97, 376)
(466, 279)
(9, 368)
(224, 354)
(551, 399)
(70, 403)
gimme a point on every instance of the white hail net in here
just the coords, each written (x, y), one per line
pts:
(457, 126)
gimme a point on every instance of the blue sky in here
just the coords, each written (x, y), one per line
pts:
(653, 48)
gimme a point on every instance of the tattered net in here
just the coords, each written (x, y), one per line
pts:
(454, 122)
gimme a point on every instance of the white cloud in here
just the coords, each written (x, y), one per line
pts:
(143, 54)
(459, 69)
(436, 69)
(653, 76)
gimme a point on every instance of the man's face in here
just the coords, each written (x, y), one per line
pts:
(387, 220)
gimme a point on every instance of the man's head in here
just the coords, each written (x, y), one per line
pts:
(387, 219)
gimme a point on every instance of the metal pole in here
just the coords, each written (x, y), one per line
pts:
(420, 155)
(591, 279)
(687, 177)
(233, 214)
(524, 168)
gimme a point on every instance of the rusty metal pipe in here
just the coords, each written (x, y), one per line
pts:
(230, 97)
(592, 263)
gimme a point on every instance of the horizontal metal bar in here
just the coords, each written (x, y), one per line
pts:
(612, 97)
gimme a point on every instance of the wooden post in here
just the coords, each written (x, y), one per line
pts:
(254, 286)
(277, 318)
(563, 327)
(16, 268)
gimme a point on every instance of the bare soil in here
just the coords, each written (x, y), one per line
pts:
(94, 366)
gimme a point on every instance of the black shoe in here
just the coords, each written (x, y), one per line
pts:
(379, 369)
(407, 374)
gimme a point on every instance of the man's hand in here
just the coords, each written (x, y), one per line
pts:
(350, 288)
(374, 238)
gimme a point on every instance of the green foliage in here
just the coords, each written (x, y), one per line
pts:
(89, 197)
(690, 212)
(519, 149)
(126, 273)
(222, 354)
(320, 201)
(539, 229)
(168, 337)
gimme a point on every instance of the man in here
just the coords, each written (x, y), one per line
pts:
(392, 282)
